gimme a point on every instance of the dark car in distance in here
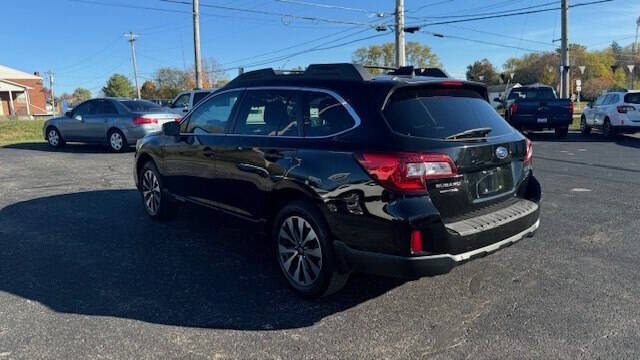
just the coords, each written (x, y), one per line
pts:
(400, 174)
(537, 107)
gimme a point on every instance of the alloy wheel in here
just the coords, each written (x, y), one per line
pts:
(116, 141)
(299, 251)
(53, 137)
(151, 192)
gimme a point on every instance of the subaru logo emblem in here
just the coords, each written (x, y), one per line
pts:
(502, 152)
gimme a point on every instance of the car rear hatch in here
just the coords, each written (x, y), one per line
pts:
(453, 127)
(631, 107)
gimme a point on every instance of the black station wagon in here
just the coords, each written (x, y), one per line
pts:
(408, 173)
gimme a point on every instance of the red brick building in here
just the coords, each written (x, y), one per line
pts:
(21, 93)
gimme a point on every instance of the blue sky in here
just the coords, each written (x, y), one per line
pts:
(83, 43)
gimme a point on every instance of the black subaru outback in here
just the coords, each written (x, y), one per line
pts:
(405, 174)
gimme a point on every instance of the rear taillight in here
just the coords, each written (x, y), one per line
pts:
(140, 120)
(178, 119)
(451, 83)
(528, 156)
(407, 172)
(416, 241)
(514, 108)
(571, 107)
(625, 109)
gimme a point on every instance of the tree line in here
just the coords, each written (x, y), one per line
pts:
(603, 69)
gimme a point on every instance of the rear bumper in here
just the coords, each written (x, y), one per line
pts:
(531, 121)
(629, 129)
(414, 267)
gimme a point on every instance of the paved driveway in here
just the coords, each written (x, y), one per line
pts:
(85, 274)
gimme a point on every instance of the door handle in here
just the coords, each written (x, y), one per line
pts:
(208, 152)
(273, 155)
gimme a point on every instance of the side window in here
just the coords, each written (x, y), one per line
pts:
(607, 100)
(197, 97)
(82, 109)
(95, 107)
(268, 112)
(615, 98)
(109, 108)
(181, 101)
(323, 115)
(213, 115)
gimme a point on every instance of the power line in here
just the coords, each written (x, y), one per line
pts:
(429, 5)
(501, 35)
(327, 6)
(508, 15)
(488, 13)
(271, 13)
(440, 35)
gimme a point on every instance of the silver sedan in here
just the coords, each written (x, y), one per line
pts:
(112, 121)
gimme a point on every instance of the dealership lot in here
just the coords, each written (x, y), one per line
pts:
(85, 273)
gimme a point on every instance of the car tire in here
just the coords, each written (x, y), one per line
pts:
(156, 201)
(304, 251)
(607, 129)
(116, 141)
(562, 132)
(584, 128)
(54, 138)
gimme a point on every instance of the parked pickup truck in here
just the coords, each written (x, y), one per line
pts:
(537, 107)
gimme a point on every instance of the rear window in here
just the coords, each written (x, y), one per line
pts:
(633, 98)
(140, 105)
(438, 113)
(197, 97)
(541, 93)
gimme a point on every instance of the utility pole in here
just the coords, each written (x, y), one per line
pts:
(564, 82)
(196, 42)
(635, 44)
(400, 57)
(53, 98)
(132, 39)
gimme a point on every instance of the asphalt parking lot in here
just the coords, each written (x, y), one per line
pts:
(85, 274)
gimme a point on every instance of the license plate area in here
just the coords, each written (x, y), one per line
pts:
(542, 120)
(492, 182)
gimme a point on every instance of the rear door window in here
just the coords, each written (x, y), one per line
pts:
(324, 115)
(438, 113)
(141, 106)
(96, 108)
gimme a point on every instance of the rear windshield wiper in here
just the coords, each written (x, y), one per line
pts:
(471, 134)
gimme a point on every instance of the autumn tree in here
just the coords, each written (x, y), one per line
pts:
(80, 94)
(148, 90)
(483, 71)
(171, 81)
(118, 86)
(417, 55)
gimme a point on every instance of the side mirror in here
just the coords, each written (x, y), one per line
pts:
(68, 114)
(78, 117)
(171, 128)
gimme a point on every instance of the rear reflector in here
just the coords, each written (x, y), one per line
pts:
(451, 83)
(571, 107)
(407, 172)
(514, 108)
(416, 241)
(528, 157)
(144, 120)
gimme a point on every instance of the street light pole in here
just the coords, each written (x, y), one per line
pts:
(400, 55)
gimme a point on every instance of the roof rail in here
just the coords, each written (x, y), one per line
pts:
(340, 71)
